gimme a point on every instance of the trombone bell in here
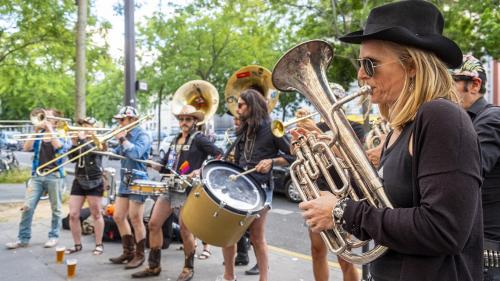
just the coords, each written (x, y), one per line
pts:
(278, 128)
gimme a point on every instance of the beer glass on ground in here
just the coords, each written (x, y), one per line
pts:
(60, 254)
(71, 264)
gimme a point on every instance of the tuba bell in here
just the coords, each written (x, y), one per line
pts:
(303, 69)
(198, 93)
(251, 76)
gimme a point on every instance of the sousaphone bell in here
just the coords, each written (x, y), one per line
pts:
(252, 76)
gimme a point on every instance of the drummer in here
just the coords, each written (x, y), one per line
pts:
(256, 147)
(185, 156)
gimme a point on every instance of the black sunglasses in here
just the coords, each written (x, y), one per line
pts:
(369, 66)
(186, 119)
(458, 78)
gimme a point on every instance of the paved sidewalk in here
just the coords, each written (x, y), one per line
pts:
(38, 263)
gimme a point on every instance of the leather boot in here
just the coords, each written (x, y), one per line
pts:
(154, 261)
(188, 270)
(139, 257)
(128, 250)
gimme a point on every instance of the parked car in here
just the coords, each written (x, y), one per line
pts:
(283, 184)
(7, 141)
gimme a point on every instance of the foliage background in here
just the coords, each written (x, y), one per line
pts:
(206, 39)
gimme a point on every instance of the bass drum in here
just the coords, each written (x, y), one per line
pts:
(218, 210)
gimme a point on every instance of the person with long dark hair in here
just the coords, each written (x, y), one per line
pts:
(257, 148)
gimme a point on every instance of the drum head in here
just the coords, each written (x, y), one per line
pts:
(242, 195)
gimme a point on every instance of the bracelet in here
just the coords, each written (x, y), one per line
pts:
(122, 140)
(338, 211)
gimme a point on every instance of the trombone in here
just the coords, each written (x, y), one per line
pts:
(278, 127)
(97, 140)
(67, 131)
(38, 116)
(121, 157)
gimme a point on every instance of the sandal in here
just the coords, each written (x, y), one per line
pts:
(74, 249)
(99, 249)
(204, 255)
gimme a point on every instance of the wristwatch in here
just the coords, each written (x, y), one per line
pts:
(338, 211)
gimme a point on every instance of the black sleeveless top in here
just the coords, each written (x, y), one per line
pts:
(398, 187)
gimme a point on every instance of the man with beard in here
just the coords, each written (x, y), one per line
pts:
(185, 156)
(257, 148)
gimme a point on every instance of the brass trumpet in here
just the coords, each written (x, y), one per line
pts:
(97, 140)
(278, 127)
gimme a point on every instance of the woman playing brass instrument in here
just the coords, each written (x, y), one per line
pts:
(430, 165)
(88, 184)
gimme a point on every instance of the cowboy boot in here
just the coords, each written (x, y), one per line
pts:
(139, 257)
(154, 261)
(188, 270)
(128, 250)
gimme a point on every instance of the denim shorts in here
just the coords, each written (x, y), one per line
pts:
(124, 192)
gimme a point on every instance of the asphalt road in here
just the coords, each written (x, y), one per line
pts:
(284, 229)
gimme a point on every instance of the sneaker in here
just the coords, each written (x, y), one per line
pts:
(15, 245)
(51, 243)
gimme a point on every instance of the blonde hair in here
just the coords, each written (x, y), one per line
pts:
(431, 81)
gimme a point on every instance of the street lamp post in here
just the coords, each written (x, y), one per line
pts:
(130, 89)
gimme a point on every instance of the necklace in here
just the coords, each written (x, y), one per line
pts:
(249, 146)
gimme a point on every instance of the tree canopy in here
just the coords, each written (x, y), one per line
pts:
(205, 39)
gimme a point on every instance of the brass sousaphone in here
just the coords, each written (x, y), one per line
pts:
(198, 93)
(252, 76)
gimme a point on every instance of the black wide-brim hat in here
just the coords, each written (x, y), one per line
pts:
(414, 23)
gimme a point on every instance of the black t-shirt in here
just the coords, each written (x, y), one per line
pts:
(192, 156)
(440, 237)
(47, 153)
(265, 146)
(486, 121)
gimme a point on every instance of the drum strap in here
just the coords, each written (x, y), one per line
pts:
(185, 147)
(233, 145)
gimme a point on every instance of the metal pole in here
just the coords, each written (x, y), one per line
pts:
(80, 71)
(130, 78)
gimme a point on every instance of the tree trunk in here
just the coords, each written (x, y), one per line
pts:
(80, 72)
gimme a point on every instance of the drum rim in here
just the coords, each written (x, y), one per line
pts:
(228, 207)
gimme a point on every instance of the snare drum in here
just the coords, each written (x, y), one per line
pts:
(147, 187)
(175, 183)
(218, 211)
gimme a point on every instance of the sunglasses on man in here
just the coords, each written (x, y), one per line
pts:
(458, 78)
(185, 119)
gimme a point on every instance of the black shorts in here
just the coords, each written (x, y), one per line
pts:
(76, 189)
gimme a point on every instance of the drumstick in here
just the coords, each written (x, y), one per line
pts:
(111, 154)
(234, 177)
